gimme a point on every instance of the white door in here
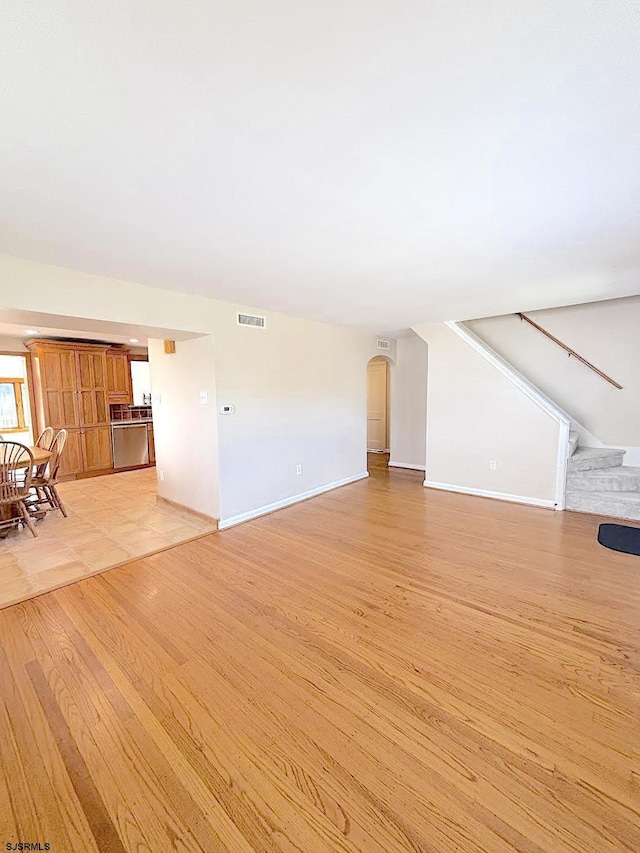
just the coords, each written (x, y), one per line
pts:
(377, 405)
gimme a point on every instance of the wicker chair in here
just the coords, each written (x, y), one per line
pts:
(45, 485)
(16, 472)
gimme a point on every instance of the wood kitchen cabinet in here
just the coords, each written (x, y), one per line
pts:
(96, 449)
(92, 389)
(119, 376)
(71, 392)
(72, 458)
(55, 368)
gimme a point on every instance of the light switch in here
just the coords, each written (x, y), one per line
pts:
(204, 398)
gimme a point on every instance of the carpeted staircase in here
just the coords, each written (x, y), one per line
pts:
(597, 483)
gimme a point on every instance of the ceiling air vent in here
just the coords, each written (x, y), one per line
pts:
(382, 344)
(252, 320)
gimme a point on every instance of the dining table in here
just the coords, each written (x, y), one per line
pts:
(11, 512)
(40, 456)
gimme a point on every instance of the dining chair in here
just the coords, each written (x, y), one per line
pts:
(45, 485)
(45, 439)
(16, 472)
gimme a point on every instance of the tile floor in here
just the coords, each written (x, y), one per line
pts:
(110, 520)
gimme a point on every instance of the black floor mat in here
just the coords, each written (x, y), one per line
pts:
(620, 537)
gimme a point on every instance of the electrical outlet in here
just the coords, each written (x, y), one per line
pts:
(298, 469)
(492, 464)
(161, 475)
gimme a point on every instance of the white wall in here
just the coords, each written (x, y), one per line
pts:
(605, 333)
(11, 344)
(391, 354)
(298, 387)
(299, 394)
(475, 415)
(185, 430)
(409, 403)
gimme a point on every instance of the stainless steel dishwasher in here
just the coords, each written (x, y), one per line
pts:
(130, 445)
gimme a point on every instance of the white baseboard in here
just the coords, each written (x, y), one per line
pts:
(483, 493)
(294, 499)
(409, 465)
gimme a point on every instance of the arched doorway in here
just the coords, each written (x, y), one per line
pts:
(378, 405)
(397, 407)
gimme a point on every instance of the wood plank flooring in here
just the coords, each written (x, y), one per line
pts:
(383, 668)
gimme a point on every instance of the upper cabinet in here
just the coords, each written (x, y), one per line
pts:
(92, 388)
(71, 383)
(58, 384)
(119, 376)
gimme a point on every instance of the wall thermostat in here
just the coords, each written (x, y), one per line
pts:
(226, 410)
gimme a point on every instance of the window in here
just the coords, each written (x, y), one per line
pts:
(11, 405)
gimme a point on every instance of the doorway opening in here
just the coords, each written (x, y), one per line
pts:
(378, 411)
(76, 396)
(397, 409)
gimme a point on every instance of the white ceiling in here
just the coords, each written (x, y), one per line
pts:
(385, 162)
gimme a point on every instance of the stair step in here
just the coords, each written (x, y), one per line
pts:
(614, 504)
(573, 442)
(605, 480)
(593, 458)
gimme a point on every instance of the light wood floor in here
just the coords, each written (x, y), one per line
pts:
(110, 520)
(383, 668)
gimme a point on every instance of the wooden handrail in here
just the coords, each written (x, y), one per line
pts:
(568, 350)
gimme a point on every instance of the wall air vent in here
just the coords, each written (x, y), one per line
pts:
(381, 344)
(252, 320)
